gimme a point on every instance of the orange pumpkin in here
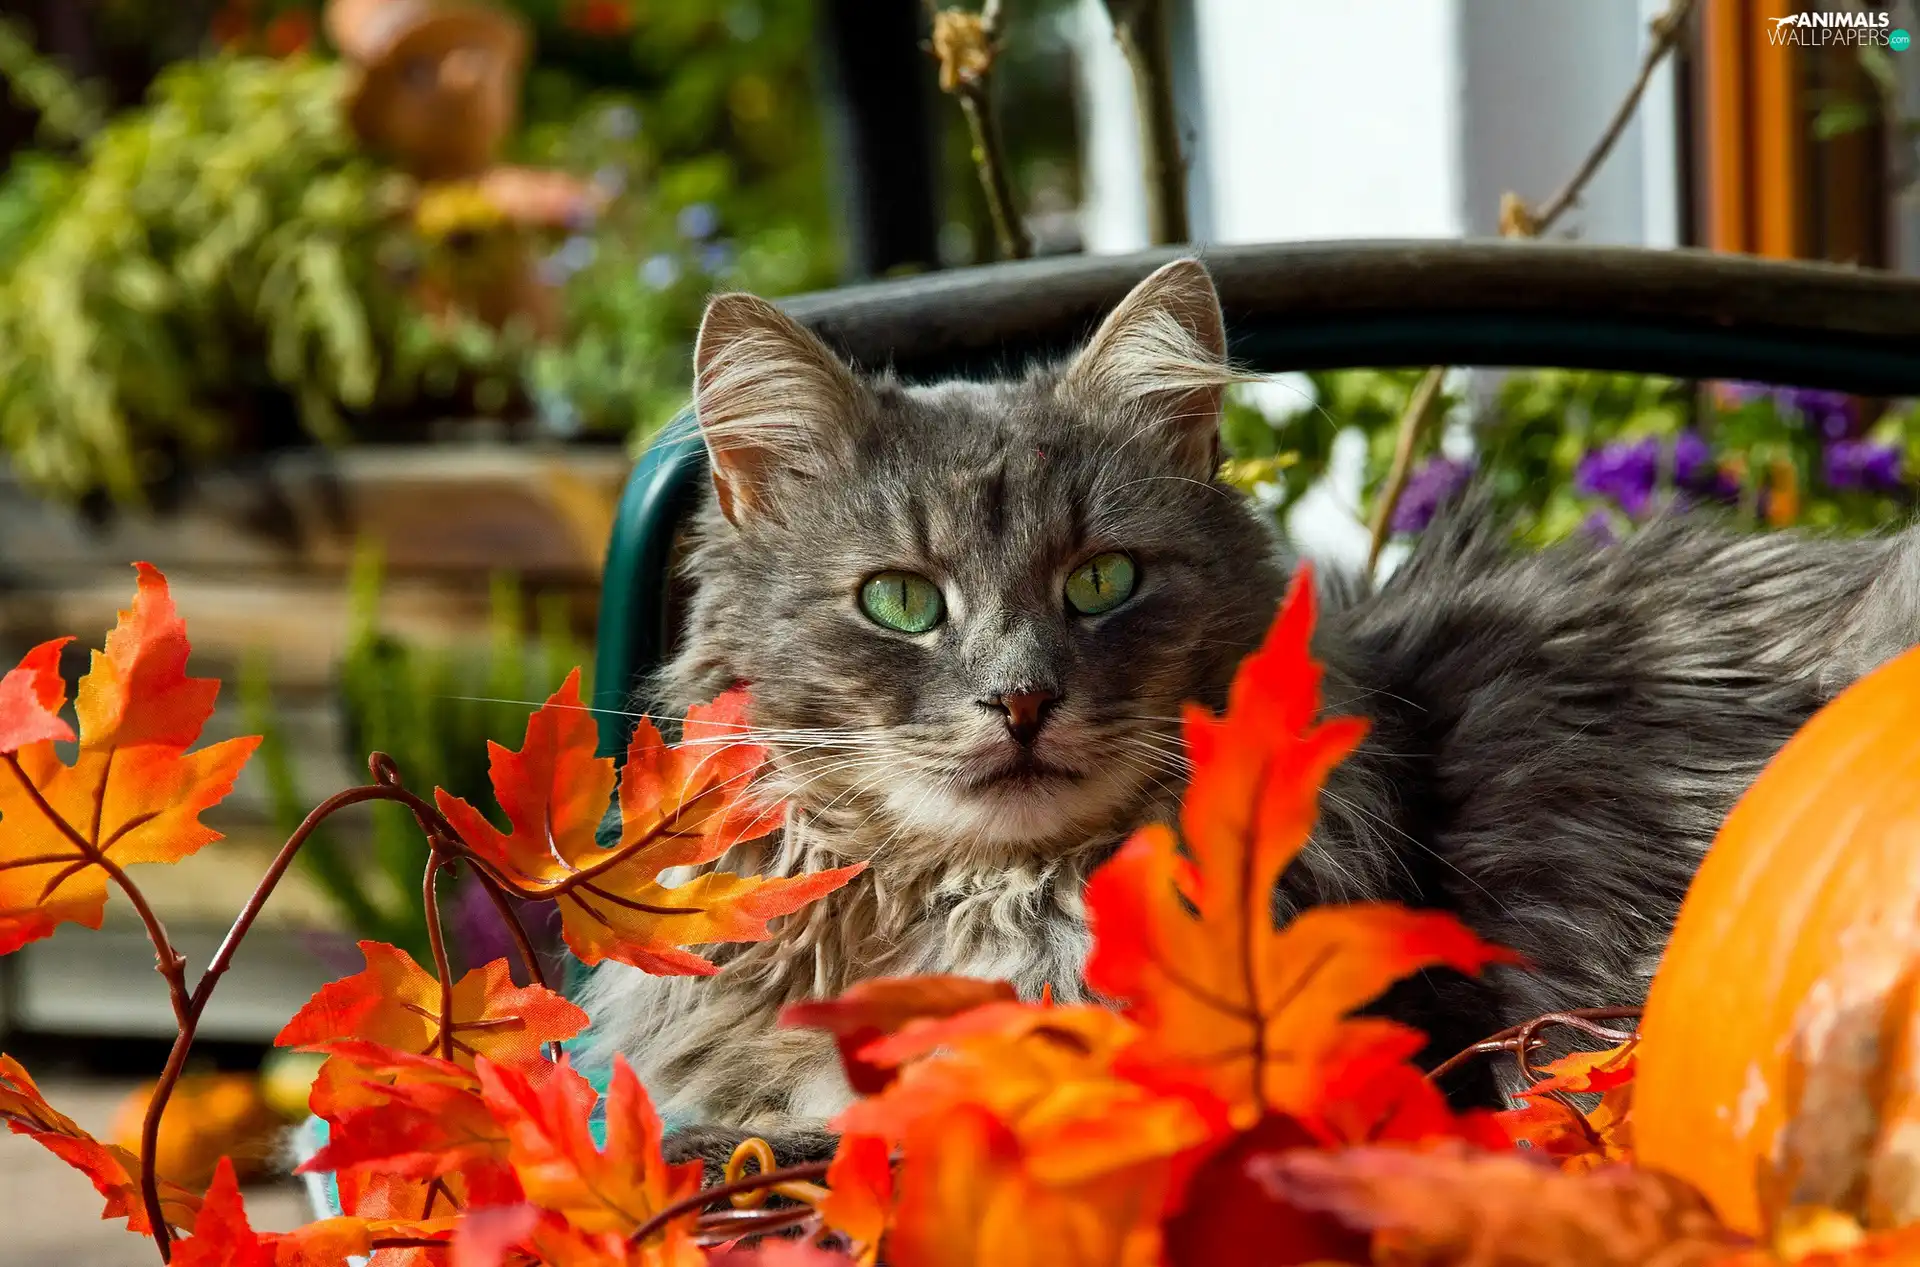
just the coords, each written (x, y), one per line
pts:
(1777, 1061)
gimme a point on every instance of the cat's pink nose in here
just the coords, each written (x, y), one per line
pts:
(1025, 711)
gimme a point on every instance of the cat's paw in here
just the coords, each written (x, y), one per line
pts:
(713, 1145)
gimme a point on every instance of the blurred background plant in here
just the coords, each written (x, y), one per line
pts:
(1564, 451)
(434, 710)
(224, 267)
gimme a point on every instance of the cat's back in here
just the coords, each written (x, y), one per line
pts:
(1564, 730)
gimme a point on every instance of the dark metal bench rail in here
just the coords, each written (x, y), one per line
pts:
(1688, 314)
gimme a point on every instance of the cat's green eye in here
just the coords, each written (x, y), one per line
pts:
(1101, 584)
(902, 600)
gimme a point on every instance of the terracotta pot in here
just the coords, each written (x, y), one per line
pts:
(439, 82)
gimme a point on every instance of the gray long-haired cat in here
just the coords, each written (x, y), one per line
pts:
(969, 613)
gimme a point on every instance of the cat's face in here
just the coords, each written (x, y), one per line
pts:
(970, 613)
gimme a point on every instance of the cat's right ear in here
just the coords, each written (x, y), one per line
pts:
(773, 401)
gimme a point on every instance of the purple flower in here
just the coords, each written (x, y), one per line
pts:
(1429, 488)
(1833, 414)
(1695, 471)
(1862, 465)
(1626, 472)
(1598, 528)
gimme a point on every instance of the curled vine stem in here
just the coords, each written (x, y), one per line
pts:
(1523, 1040)
(445, 846)
(766, 1179)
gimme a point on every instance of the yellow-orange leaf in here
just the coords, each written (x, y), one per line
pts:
(551, 1149)
(133, 794)
(114, 1171)
(967, 1197)
(396, 1003)
(680, 806)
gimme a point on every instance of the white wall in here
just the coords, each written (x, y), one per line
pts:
(1325, 126)
(1389, 118)
(1332, 119)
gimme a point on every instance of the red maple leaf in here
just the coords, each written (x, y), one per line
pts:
(680, 806)
(1186, 939)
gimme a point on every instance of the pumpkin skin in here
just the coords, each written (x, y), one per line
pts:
(1788, 982)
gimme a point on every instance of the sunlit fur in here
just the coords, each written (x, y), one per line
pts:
(1556, 735)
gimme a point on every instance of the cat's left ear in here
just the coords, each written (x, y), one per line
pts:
(1163, 350)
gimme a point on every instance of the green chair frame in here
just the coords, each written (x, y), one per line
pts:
(1683, 313)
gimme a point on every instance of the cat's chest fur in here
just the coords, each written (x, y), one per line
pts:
(711, 1049)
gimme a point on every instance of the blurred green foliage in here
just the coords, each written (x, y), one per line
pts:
(433, 710)
(204, 267)
(202, 262)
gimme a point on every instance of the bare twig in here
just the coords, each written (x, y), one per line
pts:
(1519, 220)
(1140, 28)
(966, 46)
(1414, 423)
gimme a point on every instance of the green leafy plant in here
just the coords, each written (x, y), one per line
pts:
(435, 709)
(205, 261)
(1565, 451)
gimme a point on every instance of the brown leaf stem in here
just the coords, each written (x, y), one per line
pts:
(437, 942)
(1518, 220)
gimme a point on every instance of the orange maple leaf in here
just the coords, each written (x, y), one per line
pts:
(1579, 1140)
(598, 1193)
(133, 794)
(113, 1170)
(680, 806)
(870, 1010)
(1473, 1208)
(969, 1195)
(1372, 1093)
(1259, 1011)
(1057, 1077)
(222, 1236)
(395, 1002)
(860, 1193)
